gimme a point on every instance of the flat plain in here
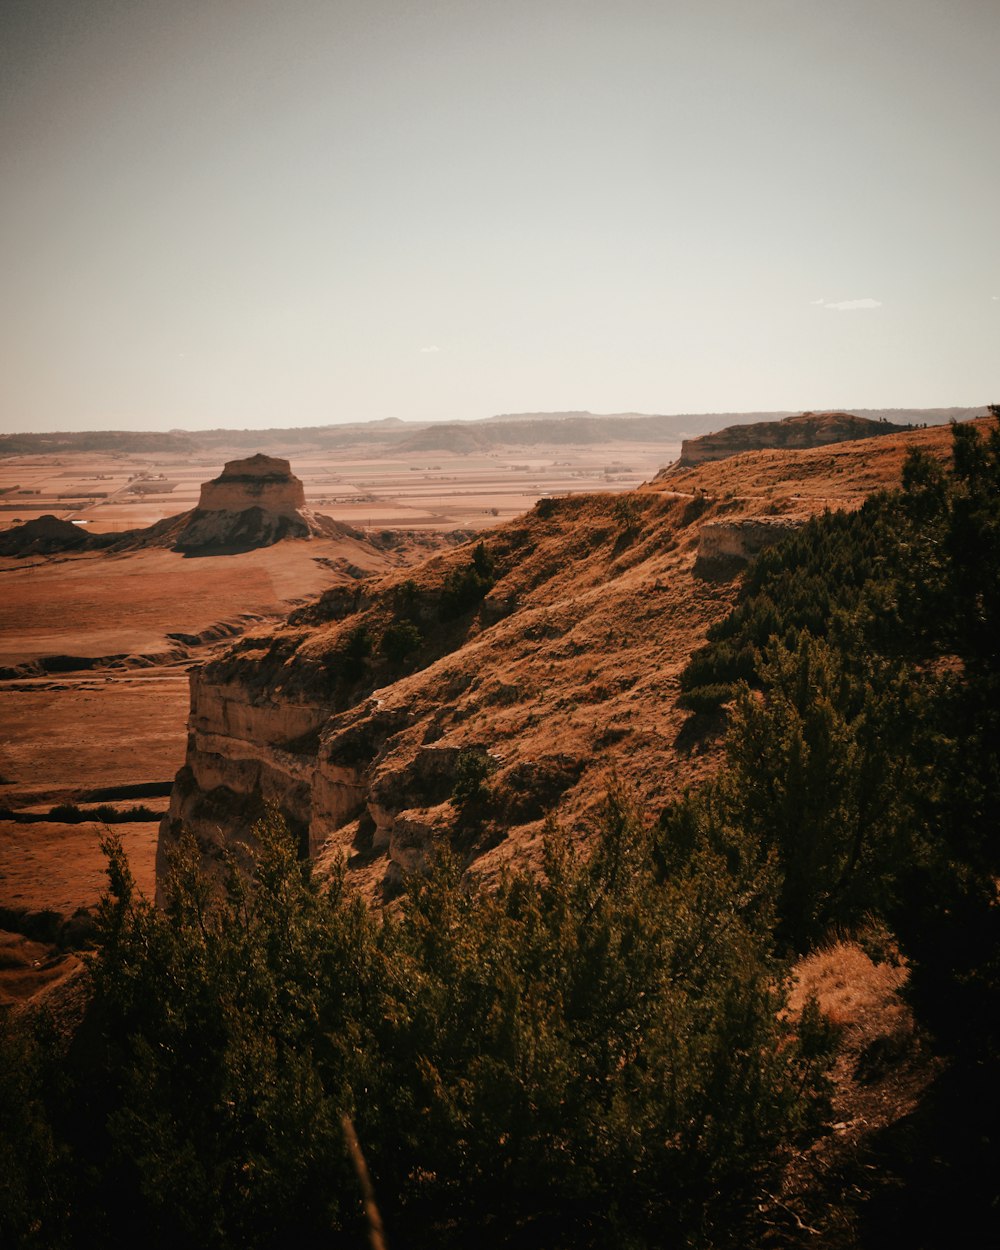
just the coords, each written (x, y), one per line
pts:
(439, 489)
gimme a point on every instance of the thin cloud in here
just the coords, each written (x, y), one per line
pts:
(817, 301)
(850, 305)
(432, 348)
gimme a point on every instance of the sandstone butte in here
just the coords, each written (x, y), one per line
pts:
(259, 481)
(252, 503)
(564, 674)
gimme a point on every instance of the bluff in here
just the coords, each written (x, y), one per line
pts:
(810, 429)
(535, 664)
(473, 696)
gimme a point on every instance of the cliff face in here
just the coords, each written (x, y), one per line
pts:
(744, 537)
(811, 429)
(545, 664)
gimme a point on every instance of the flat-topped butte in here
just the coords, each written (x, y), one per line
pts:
(257, 482)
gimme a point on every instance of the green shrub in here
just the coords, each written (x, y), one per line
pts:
(399, 641)
(706, 699)
(467, 585)
(472, 770)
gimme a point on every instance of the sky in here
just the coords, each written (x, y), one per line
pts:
(255, 213)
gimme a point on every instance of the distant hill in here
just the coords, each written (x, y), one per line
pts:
(519, 429)
(96, 440)
(561, 429)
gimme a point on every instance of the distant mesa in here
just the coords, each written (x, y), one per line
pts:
(252, 503)
(811, 429)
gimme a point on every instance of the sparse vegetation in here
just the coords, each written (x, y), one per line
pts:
(70, 813)
(626, 512)
(472, 770)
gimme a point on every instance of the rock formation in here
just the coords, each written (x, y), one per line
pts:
(252, 503)
(258, 482)
(561, 670)
(744, 537)
(811, 429)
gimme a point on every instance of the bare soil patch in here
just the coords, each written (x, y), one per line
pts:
(64, 739)
(105, 605)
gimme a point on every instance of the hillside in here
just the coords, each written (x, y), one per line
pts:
(558, 669)
(835, 476)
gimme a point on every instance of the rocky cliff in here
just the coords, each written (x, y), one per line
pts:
(744, 537)
(537, 664)
(259, 481)
(473, 696)
(811, 429)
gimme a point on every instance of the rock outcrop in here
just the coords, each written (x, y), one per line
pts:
(260, 481)
(811, 429)
(743, 537)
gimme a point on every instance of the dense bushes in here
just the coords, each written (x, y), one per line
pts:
(868, 761)
(593, 1054)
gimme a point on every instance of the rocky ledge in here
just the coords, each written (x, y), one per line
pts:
(742, 538)
(811, 429)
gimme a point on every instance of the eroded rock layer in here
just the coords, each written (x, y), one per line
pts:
(260, 481)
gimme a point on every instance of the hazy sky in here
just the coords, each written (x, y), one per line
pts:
(291, 212)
